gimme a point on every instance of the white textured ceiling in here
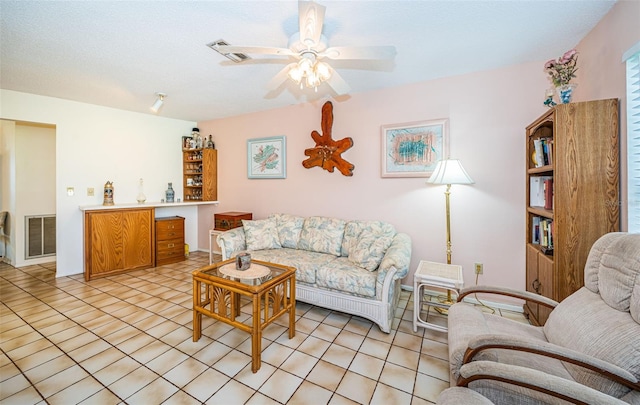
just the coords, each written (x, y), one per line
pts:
(120, 53)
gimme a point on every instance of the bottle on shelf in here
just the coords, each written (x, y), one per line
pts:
(141, 198)
(170, 194)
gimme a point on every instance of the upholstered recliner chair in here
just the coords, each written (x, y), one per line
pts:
(589, 346)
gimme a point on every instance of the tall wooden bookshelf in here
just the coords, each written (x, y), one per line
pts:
(578, 148)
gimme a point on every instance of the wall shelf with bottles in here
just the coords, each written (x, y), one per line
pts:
(200, 174)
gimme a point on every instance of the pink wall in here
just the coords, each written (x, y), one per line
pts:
(487, 112)
(487, 115)
(602, 72)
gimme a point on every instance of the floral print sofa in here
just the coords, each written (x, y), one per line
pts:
(349, 266)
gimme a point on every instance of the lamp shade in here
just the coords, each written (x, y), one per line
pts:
(450, 171)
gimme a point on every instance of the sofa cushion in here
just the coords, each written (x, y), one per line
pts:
(322, 235)
(306, 263)
(289, 229)
(369, 249)
(342, 275)
(353, 229)
(261, 234)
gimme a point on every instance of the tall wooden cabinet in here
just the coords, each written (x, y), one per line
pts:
(576, 166)
(118, 240)
(200, 174)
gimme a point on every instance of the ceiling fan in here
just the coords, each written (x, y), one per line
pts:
(309, 49)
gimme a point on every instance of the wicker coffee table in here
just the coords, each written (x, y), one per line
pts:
(217, 292)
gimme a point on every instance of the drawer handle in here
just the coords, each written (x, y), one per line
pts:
(172, 233)
(171, 245)
(172, 227)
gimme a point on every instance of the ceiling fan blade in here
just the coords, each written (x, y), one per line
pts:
(359, 52)
(279, 78)
(311, 19)
(337, 83)
(266, 50)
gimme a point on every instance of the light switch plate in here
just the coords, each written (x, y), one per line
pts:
(70, 191)
(90, 192)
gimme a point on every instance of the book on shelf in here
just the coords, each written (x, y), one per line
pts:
(549, 142)
(548, 193)
(543, 151)
(542, 232)
(537, 190)
(535, 230)
(537, 146)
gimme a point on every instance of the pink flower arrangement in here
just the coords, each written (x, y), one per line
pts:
(563, 69)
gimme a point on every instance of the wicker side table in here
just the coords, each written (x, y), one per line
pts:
(440, 276)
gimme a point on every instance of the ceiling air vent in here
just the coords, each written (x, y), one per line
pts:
(236, 57)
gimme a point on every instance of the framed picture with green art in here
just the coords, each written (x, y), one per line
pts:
(413, 149)
(267, 158)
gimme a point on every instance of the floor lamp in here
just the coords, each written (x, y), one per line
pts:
(449, 171)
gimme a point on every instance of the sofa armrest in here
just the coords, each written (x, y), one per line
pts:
(525, 295)
(397, 256)
(393, 266)
(231, 242)
(499, 341)
(533, 379)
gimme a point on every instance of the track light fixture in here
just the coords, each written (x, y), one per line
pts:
(158, 103)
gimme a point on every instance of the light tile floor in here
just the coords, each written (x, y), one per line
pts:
(128, 339)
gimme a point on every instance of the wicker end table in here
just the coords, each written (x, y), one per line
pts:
(440, 276)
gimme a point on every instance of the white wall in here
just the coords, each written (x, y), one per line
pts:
(95, 144)
(35, 182)
(8, 186)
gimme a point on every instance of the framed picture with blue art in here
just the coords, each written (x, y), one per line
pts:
(267, 158)
(413, 149)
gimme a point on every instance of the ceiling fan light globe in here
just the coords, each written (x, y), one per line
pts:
(322, 71)
(295, 74)
(306, 66)
(313, 81)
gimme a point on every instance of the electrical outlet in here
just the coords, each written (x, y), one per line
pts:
(70, 191)
(90, 192)
(479, 268)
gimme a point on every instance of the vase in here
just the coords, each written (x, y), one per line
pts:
(169, 194)
(565, 91)
(141, 198)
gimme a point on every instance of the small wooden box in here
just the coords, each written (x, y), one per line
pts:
(229, 220)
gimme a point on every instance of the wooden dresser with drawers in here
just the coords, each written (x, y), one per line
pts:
(169, 240)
